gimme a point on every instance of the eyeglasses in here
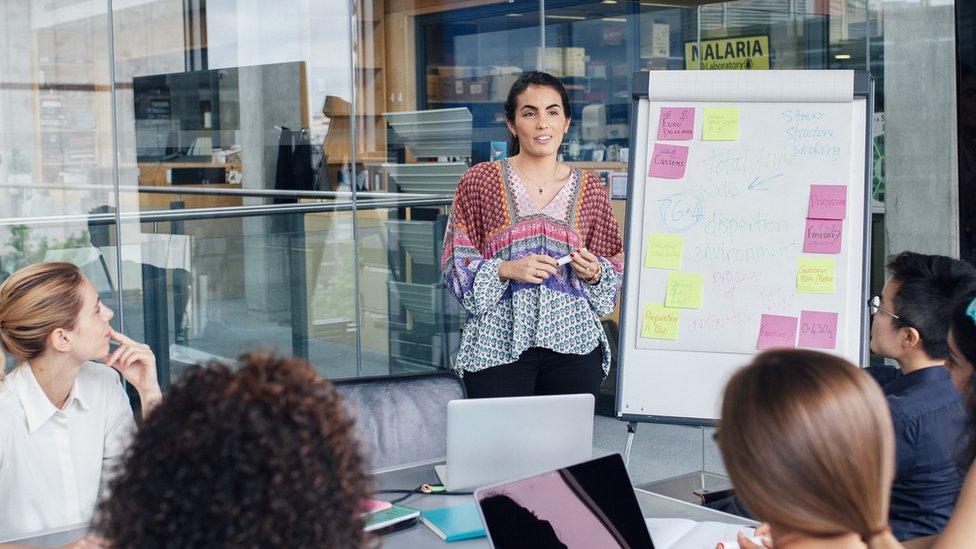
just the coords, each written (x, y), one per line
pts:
(874, 305)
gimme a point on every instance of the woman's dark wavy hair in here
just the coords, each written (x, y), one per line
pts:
(263, 456)
(532, 78)
(963, 329)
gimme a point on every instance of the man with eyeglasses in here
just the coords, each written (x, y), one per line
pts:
(910, 325)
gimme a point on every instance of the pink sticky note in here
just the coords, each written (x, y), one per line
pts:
(668, 161)
(777, 331)
(818, 329)
(823, 236)
(676, 124)
(828, 202)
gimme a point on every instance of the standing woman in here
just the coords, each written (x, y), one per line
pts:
(64, 421)
(533, 326)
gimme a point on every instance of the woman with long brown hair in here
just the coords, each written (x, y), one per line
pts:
(64, 420)
(533, 322)
(808, 443)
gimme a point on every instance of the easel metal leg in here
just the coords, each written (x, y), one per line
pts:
(631, 431)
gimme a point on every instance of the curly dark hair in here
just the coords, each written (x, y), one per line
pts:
(264, 456)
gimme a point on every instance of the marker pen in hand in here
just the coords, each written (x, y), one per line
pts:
(566, 258)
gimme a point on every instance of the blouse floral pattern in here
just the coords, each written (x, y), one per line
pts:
(494, 220)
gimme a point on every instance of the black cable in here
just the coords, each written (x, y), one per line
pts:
(425, 489)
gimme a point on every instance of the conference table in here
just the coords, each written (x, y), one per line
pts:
(408, 477)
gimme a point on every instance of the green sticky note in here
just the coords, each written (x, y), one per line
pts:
(684, 290)
(720, 124)
(816, 276)
(660, 322)
(664, 251)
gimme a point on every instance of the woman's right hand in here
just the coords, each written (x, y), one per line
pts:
(532, 269)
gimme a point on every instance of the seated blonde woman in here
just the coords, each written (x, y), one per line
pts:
(64, 420)
(808, 443)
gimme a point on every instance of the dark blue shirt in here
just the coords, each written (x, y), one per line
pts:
(929, 420)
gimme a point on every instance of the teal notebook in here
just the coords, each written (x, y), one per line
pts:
(454, 523)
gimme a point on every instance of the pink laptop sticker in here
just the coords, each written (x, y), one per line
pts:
(776, 331)
(823, 236)
(828, 202)
(677, 124)
(668, 161)
(818, 329)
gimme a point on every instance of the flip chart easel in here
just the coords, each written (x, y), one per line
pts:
(747, 225)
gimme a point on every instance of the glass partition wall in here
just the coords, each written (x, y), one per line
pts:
(233, 175)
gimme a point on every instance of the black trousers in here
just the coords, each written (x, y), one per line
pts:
(539, 371)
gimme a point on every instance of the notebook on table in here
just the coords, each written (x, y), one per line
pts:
(454, 523)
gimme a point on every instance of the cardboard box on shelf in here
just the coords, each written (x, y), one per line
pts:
(476, 88)
(574, 61)
(502, 79)
(448, 81)
(433, 87)
(555, 63)
(618, 131)
(561, 62)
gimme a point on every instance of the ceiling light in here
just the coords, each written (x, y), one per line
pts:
(615, 19)
(842, 56)
(568, 17)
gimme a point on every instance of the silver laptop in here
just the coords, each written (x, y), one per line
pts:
(494, 439)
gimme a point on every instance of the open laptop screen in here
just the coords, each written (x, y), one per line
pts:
(591, 504)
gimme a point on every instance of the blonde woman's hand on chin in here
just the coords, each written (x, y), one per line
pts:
(137, 364)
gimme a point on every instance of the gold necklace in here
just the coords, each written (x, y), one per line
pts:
(544, 183)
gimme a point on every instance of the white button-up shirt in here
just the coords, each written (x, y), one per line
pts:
(53, 461)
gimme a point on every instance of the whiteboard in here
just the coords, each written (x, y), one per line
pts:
(741, 209)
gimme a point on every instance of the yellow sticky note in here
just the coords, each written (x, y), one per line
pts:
(684, 290)
(664, 251)
(720, 124)
(660, 322)
(816, 276)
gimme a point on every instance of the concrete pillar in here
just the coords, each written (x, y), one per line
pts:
(921, 195)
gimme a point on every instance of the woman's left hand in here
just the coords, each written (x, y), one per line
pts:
(586, 265)
(137, 364)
